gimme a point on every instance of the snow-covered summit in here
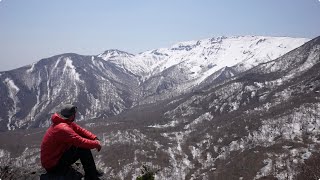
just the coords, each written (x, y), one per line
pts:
(224, 51)
(126, 61)
(185, 65)
(204, 57)
(114, 54)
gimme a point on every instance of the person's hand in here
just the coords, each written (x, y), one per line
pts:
(99, 147)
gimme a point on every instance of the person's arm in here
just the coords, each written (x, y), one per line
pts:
(67, 135)
(83, 132)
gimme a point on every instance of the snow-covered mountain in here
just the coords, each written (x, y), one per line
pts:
(114, 81)
(260, 124)
(203, 57)
(170, 71)
(31, 93)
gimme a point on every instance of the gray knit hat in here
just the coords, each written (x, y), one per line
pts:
(67, 111)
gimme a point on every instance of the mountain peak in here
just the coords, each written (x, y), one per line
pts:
(114, 53)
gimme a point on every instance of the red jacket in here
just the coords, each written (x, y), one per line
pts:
(60, 136)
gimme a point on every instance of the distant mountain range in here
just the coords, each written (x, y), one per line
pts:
(114, 81)
(248, 119)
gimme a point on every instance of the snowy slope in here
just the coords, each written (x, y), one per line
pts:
(214, 52)
(185, 65)
(126, 61)
(218, 52)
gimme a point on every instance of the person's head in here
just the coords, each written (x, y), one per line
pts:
(68, 112)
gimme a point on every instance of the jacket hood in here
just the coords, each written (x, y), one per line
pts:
(56, 119)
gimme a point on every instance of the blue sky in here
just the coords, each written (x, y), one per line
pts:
(34, 29)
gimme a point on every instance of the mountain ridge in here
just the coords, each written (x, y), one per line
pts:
(107, 84)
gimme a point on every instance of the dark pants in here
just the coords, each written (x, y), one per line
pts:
(71, 156)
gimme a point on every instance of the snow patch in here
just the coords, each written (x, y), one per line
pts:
(13, 91)
(170, 124)
(31, 68)
(72, 69)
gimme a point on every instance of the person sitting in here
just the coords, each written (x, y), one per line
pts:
(65, 142)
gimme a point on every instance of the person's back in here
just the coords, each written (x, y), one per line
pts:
(65, 142)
